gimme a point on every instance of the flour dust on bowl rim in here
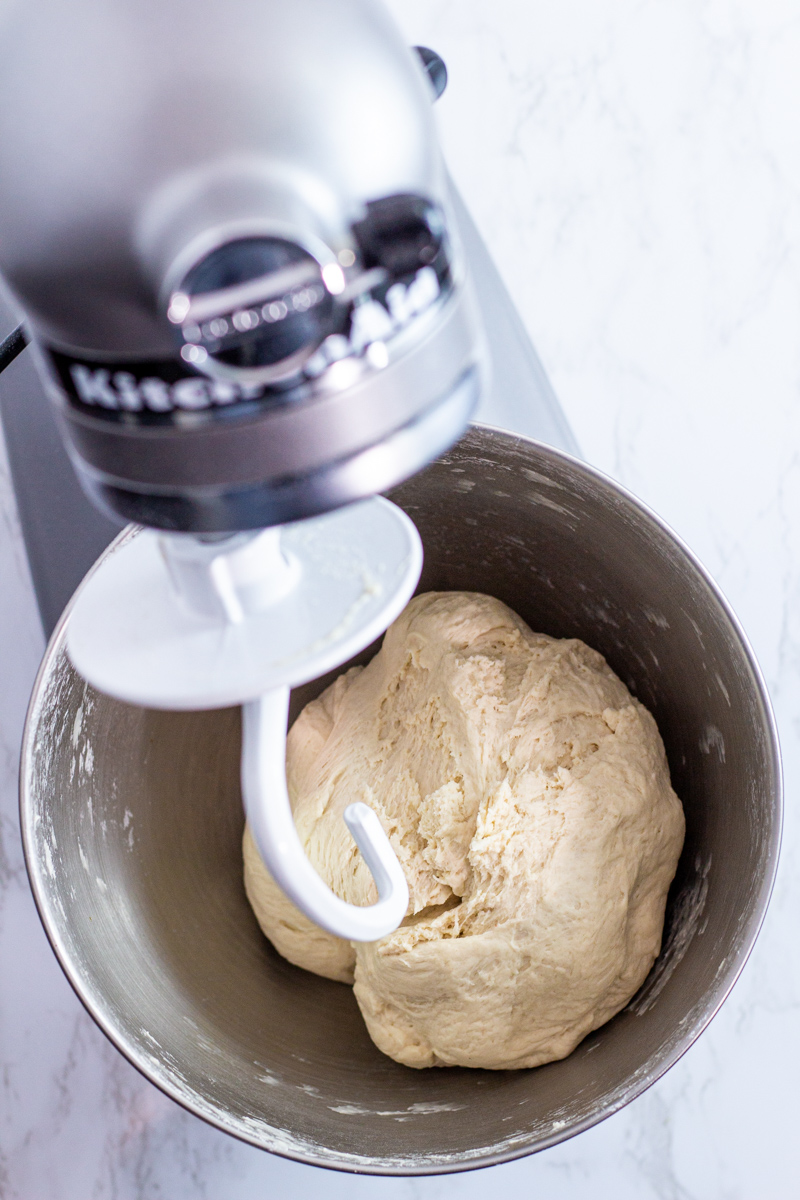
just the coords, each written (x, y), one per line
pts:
(132, 822)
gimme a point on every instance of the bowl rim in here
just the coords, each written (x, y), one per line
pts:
(400, 1167)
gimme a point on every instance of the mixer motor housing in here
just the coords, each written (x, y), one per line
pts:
(229, 231)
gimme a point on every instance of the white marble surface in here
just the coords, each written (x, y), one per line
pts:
(635, 168)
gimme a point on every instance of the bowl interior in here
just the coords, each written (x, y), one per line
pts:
(133, 823)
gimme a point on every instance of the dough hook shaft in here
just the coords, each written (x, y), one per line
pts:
(266, 802)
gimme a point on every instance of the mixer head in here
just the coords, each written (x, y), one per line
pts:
(228, 227)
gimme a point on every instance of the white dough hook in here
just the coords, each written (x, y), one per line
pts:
(269, 813)
(185, 623)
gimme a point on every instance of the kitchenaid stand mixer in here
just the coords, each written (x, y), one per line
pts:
(90, 104)
(236, 260)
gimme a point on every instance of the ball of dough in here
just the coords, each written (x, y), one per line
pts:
(527, 796)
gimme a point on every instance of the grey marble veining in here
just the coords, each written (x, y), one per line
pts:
(635, 168)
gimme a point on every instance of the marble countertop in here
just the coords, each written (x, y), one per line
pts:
(634, 166)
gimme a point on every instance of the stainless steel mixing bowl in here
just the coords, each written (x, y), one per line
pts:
(132, 822)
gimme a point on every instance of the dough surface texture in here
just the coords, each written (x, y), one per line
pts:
(527, 796)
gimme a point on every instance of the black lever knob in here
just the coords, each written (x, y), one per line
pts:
(435, 69)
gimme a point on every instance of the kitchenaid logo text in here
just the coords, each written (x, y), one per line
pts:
(121, 391)
(118, 389)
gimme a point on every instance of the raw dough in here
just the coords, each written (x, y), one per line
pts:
(527, 796)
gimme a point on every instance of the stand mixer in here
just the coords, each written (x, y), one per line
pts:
(128, 131)
(230, 233)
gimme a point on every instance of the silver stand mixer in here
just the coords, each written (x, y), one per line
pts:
(250, 292)
(233, 240)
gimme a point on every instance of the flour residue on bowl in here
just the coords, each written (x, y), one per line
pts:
(656, 618)
(712, 739)
(421, 1109)
(82, 762)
